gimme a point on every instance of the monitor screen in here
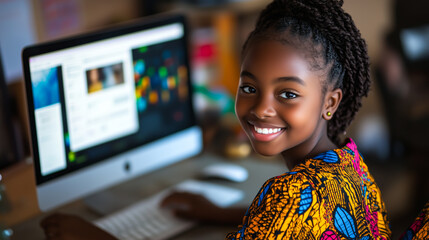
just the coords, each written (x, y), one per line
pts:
(108, 106)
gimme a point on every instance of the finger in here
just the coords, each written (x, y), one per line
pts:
(186, 214)
(177, 205)
(175, 197)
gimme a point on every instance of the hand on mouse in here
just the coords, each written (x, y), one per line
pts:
(190, 206)
(70, 227)
(197, 207)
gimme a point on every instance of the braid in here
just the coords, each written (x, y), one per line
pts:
(325, 23)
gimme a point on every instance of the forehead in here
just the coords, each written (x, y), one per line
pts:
(272, 57)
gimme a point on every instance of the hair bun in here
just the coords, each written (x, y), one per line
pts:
(337, 3)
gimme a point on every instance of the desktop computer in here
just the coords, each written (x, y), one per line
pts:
(108, 106)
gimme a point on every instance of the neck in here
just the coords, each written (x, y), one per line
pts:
(306, 150)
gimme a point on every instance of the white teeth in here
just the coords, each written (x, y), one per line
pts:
(267, 130)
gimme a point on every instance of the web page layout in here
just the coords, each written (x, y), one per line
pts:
(49, 125)
(99, 94)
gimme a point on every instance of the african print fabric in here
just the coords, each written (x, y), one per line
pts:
(330, 197)
(420, 227)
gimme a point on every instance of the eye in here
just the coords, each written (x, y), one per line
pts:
(288, 95)
(248, 89)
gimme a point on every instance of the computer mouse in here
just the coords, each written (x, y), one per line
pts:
(226, 171)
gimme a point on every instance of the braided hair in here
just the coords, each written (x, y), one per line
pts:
(334, 38)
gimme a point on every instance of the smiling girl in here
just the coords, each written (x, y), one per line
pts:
(304, 71)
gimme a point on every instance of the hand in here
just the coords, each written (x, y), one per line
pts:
(197, 207)
(191, 206)
(70, 227)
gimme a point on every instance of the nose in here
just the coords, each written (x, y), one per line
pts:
(264, 108)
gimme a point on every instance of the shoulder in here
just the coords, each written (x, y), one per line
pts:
(284, 188)
(334, 162)
(340, 164)
(287, 181)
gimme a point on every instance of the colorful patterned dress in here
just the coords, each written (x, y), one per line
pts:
(332, 196)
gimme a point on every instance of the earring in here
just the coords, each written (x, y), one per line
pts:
(329, 114)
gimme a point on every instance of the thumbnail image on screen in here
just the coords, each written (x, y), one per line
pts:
(104, 77)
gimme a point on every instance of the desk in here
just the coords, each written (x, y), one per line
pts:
(136, 189)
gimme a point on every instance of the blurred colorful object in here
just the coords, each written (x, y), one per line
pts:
(210, 92)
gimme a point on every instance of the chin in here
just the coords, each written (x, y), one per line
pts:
(265, 150)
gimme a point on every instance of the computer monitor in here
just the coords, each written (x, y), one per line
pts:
(108, 106)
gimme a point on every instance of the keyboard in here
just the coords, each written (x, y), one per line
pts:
(146, 220)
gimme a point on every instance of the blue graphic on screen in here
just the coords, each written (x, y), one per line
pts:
(45, 87)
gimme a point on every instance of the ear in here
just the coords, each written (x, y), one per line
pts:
(332, 101)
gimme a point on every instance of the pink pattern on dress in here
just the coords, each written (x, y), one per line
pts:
(418, 223)
(372, 218)
(329, 235)
(356, 163)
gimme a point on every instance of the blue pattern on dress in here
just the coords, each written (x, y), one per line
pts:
(306, 199)
(345, 223)
(329, 157)
(263, 193)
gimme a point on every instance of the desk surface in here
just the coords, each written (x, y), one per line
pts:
(146, 185)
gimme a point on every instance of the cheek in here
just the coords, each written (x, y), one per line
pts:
(241, 107)
(303, 115)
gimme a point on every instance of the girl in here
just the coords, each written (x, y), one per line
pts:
(304, 71)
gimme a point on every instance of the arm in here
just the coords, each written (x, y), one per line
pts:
(70, 227)
(185, 205)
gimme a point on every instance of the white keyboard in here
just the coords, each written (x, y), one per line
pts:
(146, 220)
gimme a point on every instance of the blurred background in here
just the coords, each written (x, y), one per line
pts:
(391, 129)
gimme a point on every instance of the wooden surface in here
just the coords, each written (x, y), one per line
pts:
(20, 191)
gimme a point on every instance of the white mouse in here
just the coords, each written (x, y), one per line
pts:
(227, 171)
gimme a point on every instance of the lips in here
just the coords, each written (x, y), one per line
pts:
(265, 133)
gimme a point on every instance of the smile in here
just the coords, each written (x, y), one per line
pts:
(265, 134)
(267, 130)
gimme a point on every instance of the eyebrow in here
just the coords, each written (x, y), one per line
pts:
(280, 79)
